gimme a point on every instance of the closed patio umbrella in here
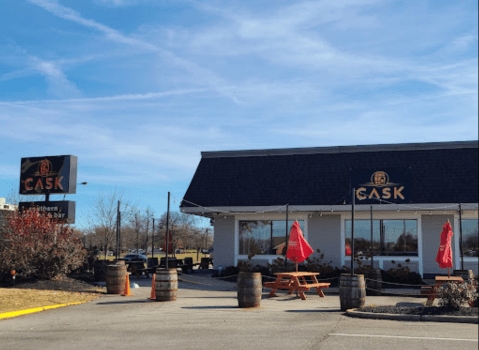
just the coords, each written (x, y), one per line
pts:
(347, 249)
(444, 254)
(298, 248)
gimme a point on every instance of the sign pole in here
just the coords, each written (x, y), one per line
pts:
(353, 202)
(167, 229)
(118, 231)
(372, 248)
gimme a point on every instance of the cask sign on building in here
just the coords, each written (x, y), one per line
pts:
(381, 185)
(48, 175)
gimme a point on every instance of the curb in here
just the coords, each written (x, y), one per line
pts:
(418, 318)
(35, 310)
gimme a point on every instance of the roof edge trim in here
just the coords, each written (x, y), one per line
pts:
(343, 149)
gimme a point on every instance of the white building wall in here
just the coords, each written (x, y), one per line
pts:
(224, 243)
(324, 233)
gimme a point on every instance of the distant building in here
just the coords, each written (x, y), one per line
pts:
(411, 190)
(5, 209)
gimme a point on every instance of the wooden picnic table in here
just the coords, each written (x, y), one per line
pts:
(296, 281)
(431, 291)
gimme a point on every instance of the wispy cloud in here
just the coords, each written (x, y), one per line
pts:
(208, 77)
(59, 85)
(122, 97)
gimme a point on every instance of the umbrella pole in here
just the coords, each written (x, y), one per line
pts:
(460, 237)
(286, 241)
(167, 231)
(296, 260)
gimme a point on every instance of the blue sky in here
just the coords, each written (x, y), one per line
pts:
(136, 89)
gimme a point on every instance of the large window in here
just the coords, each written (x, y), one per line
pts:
(263, 237)
(390, 237)
(470, 237)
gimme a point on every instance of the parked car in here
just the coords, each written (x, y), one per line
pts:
(135, 257)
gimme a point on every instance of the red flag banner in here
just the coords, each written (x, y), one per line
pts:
(348, 249)
(298, 248)
(444, 254)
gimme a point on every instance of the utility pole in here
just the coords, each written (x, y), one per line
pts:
(137, 234)
(118, 234)
(153, 241)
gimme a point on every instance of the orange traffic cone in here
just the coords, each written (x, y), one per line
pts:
(153, 293)
(127, 286)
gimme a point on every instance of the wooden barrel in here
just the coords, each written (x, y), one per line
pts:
(166, 284)
(352, 291)
(374, 282)
(115, 279)
(249, 288)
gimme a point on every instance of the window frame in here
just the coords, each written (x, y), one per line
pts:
(382, 235)
(386, 215)
(261, 259)
(471, 215)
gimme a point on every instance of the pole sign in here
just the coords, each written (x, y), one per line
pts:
(48, 175)
(62, 210)
(381, 186)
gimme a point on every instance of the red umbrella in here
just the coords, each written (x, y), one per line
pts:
(298, 248)
(170, 243)
(348, 250)
(444, 254)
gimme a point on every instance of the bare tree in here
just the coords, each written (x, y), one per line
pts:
(181, 226)
(102, 216)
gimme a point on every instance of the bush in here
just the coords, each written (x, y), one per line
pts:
(454, 295)
(326, 271)
(38, 246)
(401, 275)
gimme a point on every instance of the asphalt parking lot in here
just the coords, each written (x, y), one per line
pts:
(206, 316)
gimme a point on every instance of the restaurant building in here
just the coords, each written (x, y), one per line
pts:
(407, 191)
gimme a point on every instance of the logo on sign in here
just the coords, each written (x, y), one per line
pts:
(44, 168)
(380, 178)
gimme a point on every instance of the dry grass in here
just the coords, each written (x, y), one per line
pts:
(60, 290)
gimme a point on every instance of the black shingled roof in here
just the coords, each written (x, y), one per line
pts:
(445, 172)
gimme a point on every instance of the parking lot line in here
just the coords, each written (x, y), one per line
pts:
(398, 337)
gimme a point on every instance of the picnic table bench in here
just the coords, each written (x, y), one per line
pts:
(185, 265)
(296, 281)
(431, 291)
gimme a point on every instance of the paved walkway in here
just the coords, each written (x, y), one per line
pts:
(202, 280)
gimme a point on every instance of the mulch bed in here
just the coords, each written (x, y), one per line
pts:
(414, 310)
